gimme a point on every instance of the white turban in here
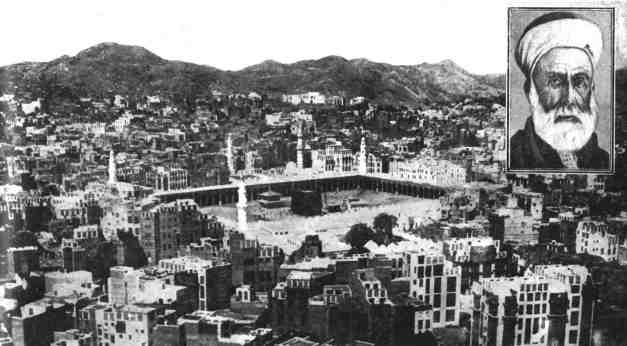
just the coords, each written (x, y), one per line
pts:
(569, 32)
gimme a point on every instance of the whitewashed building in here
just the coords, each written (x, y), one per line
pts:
(594, 238)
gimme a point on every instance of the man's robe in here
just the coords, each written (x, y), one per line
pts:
(528, 151)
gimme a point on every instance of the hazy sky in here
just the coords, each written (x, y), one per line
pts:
(232, 34)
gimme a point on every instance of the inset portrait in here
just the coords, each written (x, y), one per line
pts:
(561, 90)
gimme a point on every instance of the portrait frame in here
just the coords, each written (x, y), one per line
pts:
(513, 91)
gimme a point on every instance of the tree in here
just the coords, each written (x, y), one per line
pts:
(385, 223)
(359, 235)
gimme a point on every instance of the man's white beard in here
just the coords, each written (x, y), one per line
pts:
(566, 135)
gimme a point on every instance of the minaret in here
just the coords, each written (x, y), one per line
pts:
(242, 223)
(363, 167)
(229, 154)
(299, 148)
(112, 170)
(248, 161)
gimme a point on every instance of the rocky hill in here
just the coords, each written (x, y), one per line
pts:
(111, 67)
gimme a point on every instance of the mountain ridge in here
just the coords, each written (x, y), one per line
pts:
(133, 70)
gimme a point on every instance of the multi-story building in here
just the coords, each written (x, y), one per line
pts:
(333, 158)
(531, 202)
(12, 204)
(211, 278)
(122, 284)
(74, 255)
(15, 166)
(81, 278)
(290, 299)
(159, 227)
(123, 122)
(512, 224)
(85, 232)
(312, 97)
(34, 324)
(253, 263)
(535, 309)
(119, 215)
(279, 119)
(168, 178)
(479, 257)
(119, 324)
(436, 281)
(129, 286)
(165, 228)
(22, 260)
(593, 237)
(365, 284)
(71, 207)
(580, 307)
(429, 171)
(212, 328)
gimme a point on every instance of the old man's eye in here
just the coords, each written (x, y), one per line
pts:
(555, 82)
(580, 82)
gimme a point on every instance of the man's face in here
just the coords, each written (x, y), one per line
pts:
(564, 113)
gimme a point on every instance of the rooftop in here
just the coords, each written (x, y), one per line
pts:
(298, 341)
(310, 264)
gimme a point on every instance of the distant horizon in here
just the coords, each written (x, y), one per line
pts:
(233, 35)
(257, 63)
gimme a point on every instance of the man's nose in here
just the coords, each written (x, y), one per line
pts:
(571, 95)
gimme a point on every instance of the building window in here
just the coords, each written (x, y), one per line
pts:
(450, 299)
(574, 318)
(436, 316)
(451, 284)
(572, 337)
(438, 269)
(450, 315)
(575, 303)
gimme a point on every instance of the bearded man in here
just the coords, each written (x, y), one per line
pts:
(557, 53)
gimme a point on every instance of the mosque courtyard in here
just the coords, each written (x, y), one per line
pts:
(287, 230)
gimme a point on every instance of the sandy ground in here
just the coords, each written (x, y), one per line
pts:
(288, 230)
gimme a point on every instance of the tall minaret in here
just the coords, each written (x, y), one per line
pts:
(242, 200)
(249, 160)
(112, 170)
(299, 148)
(229, 154)
(363, 166)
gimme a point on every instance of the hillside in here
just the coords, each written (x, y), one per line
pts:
(132, 70)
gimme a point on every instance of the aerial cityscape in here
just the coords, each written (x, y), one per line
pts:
(329, 201)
